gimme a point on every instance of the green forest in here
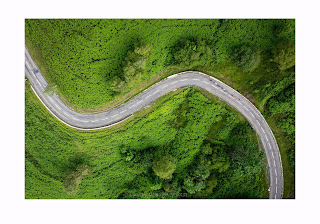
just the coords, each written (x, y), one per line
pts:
(169, 150)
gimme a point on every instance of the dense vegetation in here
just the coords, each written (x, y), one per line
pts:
(149, 156)
(86, 57)
(95, 63)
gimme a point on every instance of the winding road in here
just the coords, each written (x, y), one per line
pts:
(184, 79)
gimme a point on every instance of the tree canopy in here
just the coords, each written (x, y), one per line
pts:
(164, 166)
(245, 56)
(284, 55)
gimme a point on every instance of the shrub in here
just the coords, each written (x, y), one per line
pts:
(73, 179)
(164, 167)
(192, 52)
(284, 55)
(245, 56)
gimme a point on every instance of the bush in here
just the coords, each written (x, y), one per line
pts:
(164, 167)
(245, 56)
(284, 55)
(192, 52)
(73, 179)
(135, 65)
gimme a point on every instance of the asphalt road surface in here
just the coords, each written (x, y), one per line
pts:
(184, 79)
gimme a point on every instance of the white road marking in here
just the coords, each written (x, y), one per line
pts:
(276, 190)
(267, 138)
(258, 123)
(131, 106)
(239, 102)
(206, 82)
(263, 131)
(196, 79)
(174, 82)
(272, 154)
(123, 111)
(252, 115)
(148, 96)
(183, 80)
(246, 108)
(66, 114)
(156, 91)
(57, 106)
(28, 65)
(214, 86)
(38, 81)
(164, 87)
(275, 197)
(54, 103)
(274, 162)
(139, 101)
(276, 172)
(114, 115)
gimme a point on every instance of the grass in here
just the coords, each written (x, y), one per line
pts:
(288, 172)
(83, 57)
(53, 150)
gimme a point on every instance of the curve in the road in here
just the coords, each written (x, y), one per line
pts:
(184, 79)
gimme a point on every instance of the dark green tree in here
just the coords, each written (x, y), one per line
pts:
(245, 57)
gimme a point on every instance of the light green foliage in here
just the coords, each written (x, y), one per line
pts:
(282, 108)
(121, 159)
(164, 166)
(192, 185)
(87, 58)
(136, 61)
(118, 85)
(276, 88)
(216, 158)
(192, 52)
(84, 57)
(284, 55)
(74, 178)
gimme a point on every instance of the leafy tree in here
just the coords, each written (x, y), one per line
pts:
(192, 52)
(215, 158)
(136, 60)
(143, 49)
(195, 181)
(118, 85)
(192, 186)
(154, 182)
(284, 55)
(245, 56)
(50, 89)
(164, 166)
(74, 178)
(172, 186)
(284, 29)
